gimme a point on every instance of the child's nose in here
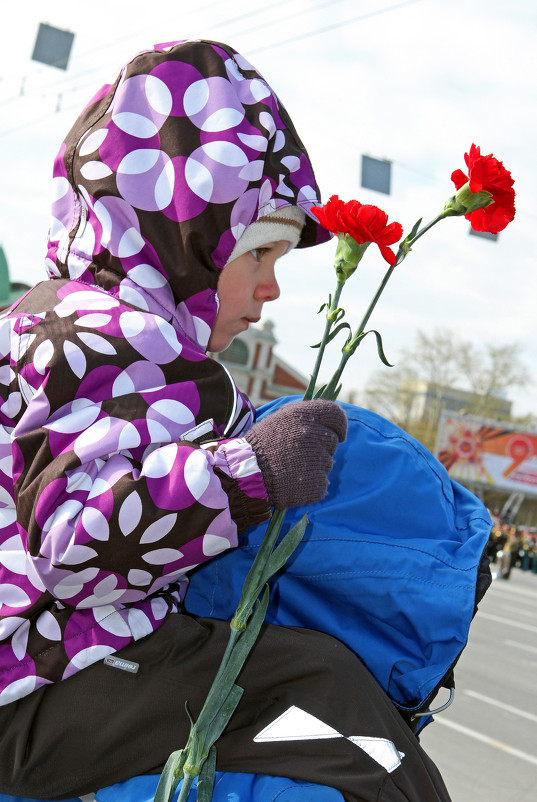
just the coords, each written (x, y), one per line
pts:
(268, 288)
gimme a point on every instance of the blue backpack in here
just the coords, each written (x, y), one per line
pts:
(392, 563)
(228, 786)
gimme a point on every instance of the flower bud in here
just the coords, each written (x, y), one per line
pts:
(348, 255)
(465, 201)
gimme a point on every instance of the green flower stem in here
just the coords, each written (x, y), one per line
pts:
(408, 242)
(330, 318)
(188, 779)
(213, 701)
(254, 581)
(224, 695)
(206, 778)
(354, 341)
(171, 776)
(331, 390)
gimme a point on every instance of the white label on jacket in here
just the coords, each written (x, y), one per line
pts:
(199, 430)
(124, 665)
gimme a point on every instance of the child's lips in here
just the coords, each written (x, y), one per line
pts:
(247, 321)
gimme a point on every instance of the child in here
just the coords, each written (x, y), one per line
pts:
(129, 456)
(123, 464)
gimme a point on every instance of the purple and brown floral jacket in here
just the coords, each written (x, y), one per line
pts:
(121, 461)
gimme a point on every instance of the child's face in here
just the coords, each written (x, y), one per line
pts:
(245, 284)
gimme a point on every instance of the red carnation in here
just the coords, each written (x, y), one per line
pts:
(361, 221)
(487, 174)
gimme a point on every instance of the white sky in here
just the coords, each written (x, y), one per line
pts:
(415, 82)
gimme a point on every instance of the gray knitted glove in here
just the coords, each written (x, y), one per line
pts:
(294, 448)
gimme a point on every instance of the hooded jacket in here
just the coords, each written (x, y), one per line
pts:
(121, 461)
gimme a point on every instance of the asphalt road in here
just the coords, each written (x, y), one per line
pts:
(485, 743)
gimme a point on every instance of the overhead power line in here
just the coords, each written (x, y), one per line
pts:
(61, 89)
(253, 13)
(335, 25)
(64, 84)
(286, 18)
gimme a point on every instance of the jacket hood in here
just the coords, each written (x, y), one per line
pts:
(163, 171)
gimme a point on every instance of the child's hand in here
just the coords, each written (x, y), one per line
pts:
(294, 448)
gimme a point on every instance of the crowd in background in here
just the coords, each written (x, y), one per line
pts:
(511, 547)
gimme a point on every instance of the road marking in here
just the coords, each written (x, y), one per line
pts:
(478, 736)
(507, 588)
(506, 608)
(489, 700)
(508, 621)
(523, 646)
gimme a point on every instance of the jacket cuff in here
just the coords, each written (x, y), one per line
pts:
(249, 501)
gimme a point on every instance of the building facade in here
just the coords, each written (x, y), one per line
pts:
(257, 369)
(426, 400)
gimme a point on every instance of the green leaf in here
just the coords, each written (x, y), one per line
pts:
(325, 305)
(336, 331)
(224, 695)
(217, 710)
(335, 315)
(222, 717)
(237, 657)
(206, 778)
(188, 714)
(253, 583)
(340, 313)
(213, 700)
(380, 348)
(249, 636)
(283, 551)
(171, 776)
(406, 245)
(352, 343)
(320, 392)
(415, 229)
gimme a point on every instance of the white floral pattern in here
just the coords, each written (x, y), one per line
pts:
(104, 506)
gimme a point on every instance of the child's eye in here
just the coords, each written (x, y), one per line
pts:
(259, 253)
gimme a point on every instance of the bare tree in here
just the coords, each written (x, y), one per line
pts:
(389, 393)
(436, 358)
(498, 372)
(443, 360)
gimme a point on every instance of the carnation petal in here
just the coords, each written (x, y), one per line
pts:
(493, 219)
(392, 233)
(459, 178)
(388, 254)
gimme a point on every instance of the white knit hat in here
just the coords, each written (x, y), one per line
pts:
(283, 224)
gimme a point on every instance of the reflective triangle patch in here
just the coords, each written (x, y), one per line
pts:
(381, 750)
(296, 725)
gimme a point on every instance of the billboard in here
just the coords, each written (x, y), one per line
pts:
(486, 452)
